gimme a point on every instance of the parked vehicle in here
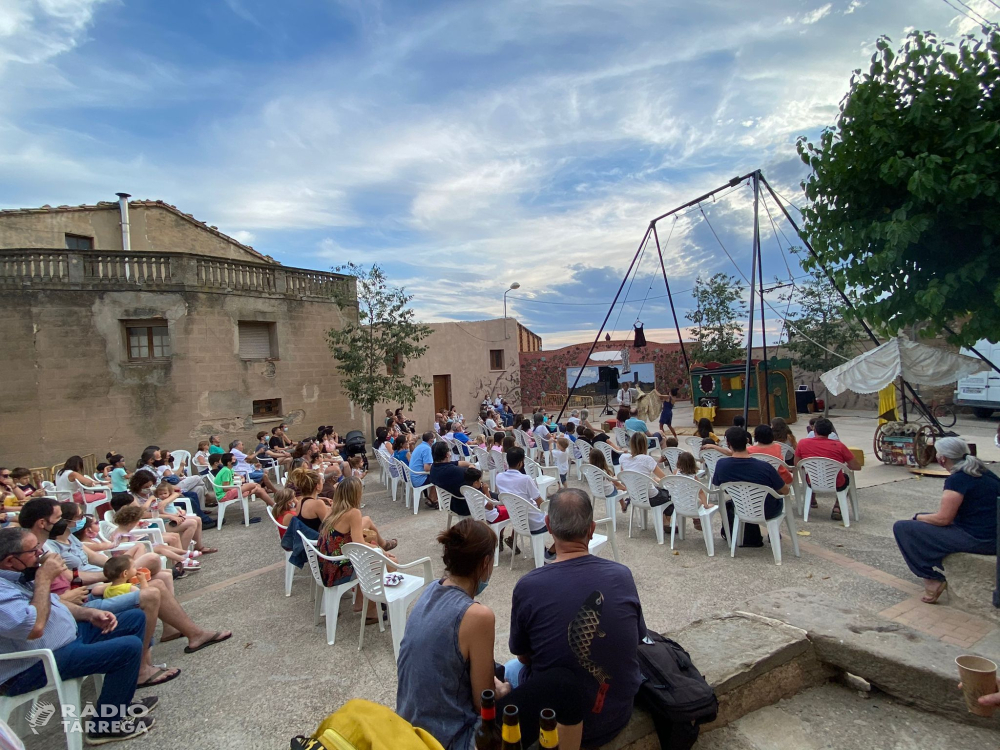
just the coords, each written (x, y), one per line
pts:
(982, 390)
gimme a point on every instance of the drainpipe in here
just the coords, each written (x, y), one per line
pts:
(123, 206)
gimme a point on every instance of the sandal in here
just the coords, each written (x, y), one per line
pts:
(835, 514)
(210, 642)
(431, 506)
(160, 677)
(390, 545)
(931, 596)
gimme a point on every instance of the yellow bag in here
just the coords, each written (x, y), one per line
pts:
(363, 725)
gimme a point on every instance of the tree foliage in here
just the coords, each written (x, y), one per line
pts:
(718, 316)
(820, 327)
(372, 354)
(903, 191)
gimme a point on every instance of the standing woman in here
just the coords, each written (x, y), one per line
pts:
(966, 521)
(667, 413)
(446, 657)
(72, 472)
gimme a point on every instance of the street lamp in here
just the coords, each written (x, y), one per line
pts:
(514, 285)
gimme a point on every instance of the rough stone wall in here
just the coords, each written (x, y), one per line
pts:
(70, 389)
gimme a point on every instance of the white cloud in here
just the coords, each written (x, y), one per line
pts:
(34, 31)
(853, 6)
(241, 235)
(817, 15)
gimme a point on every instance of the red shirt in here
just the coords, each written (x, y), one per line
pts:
(824, 447)
(773, 449)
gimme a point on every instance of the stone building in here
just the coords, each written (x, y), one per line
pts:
(132, 323)
(465, 362)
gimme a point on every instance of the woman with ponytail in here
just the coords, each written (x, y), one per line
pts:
(965, 522)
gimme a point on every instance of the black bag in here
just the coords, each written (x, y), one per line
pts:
(674, 692)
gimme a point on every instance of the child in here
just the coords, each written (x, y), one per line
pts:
(400, 449)
(286, 505)
(225, 485)
(354, 467)
(671, 442)
(121, 572)
(127, 520)
(494, 512)
(611, 486)
(687, 467)
(561, 457)
(21, 477)
(118, 475)
(705, 430)
(188, 527)
(104, 470)
(498, 438)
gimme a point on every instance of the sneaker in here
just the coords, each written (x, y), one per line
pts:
(148, 703)
(138, 727)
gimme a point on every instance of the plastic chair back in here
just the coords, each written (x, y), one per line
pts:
(748, 500)
(476, 501)
(787, 451)
(532, 469)
(604, 448)
(444, 499)
(684, 492)
(694, 445)
(596, 479)
(776, 462)
(181, 461)
(270, 514)
(822, 473)
(584, 447)
(517, 509)
(311, 558)
(369, 565)
(638, 486)
(709, 459)
(620, 436)
(672, 454)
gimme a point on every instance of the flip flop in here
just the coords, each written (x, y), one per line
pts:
(169, 638)
(157, 675)
(210, 642)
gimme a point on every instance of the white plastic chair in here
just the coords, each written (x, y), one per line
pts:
(821, 474)
(103, 490)
(543, 482)
(638, 486)
(181, 463)
(328, 603)
(787, 451)
(393, 475)
(383, 472)
(67, 691)
(778, 464)
(709, 459)
(411, 493)
(49, 490)
(223, 504)
(444, 504)
(476, 501)
(748, 503)
(604, 448)
(289, 568)
(672, 454)
(694, 446)
(369, 566)
(582, 447)
(596, 482)
(684, 493)
(518, 510)
(621, 436)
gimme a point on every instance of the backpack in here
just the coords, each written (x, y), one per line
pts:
(363, 725)
(674, 692)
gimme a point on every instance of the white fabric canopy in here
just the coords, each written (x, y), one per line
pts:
(917, 363)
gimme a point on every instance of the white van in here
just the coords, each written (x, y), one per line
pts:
(982, 390)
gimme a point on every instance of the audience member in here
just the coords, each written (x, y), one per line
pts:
(639, 460)
(705, 430)
(741, 467)
(215, 445)
(823, 445)
(611, 485)
(449, 476)
(225, 486)
(560, 456)
(515, 481)
(71, 480)
(286, 505)
(313, 509)
(637, 425)
(420, 465)
(764, 443)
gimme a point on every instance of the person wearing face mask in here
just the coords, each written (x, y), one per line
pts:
(84, 641)
(446, 657)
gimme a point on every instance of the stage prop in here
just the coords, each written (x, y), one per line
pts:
(719, 391)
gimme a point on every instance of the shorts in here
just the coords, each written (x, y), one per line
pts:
(562, 478)
(230, 495)
(116, 604)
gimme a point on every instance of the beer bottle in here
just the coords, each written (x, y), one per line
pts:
(548, 735)
(511, 733)
(77, 582)
(488, 733)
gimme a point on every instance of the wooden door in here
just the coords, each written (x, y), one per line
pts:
(442, 392)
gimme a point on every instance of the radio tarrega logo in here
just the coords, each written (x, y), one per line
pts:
(39, 715)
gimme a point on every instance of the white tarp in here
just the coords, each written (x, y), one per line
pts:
(917, 363)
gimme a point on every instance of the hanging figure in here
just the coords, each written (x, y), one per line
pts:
(640, 336)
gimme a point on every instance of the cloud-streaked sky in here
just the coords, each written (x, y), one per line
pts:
(462, 145)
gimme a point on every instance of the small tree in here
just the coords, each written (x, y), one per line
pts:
(904, 190)
(372, 353)
(718, 314)
(820, 327)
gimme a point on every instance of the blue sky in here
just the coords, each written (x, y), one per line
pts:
(462, 145)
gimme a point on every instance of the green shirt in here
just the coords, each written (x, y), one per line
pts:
(223, 478)
(212, 449)
(119, 482)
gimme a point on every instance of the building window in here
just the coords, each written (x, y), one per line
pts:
(147, 339)
(267, 408)
(496, 359)
(79, 242)
(258, 340)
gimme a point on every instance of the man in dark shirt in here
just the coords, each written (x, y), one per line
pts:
(575, 625)
(449, 476)
(742, 467)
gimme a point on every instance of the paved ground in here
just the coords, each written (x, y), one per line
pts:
(277, 677)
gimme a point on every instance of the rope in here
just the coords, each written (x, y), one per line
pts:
(652, 277)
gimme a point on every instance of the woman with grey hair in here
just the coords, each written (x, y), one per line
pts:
(965, 522)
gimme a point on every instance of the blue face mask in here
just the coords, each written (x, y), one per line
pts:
(79, 525)
(482, 587)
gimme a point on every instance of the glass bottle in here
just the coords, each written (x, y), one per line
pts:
(548, 735)
(511, 733)
(488, 732)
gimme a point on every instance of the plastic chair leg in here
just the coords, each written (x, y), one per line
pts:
(331, 608)
(246, 512)
(682, 527)
(706, 532)
(318, 607)
(845, 507)
(673, 528)
(397, 623)
(774, 537)
(614, 546)
(732, 536)
(806, 504)
(364, 614)
(658, 520)
(631, 515)
(790, 522)
(538, 549)
(289, 572)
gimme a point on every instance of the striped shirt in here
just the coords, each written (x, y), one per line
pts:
(17, 618)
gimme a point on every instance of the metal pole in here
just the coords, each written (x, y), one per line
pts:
(764, 393)
(916, 397)
(670, 298)
(597, 338)
(732, 183)
(753, 279)
(506, 335)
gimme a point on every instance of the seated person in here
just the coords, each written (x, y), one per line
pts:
(84, 640)
(741, 467)
(639, 460)
(188, 528)
(225, 488)
(215, 444)
(822, 444)
(70, 478)
(611, 485)
(199, 460)
(495, 512)
(541, 433)
(966, 520)
(517, 482)
(449, 476)
(401, 448)
(554, 614)
(599, 437)
(286, 505)
(249, 466)
(764, 443)
(637, 425)
(704, 430)
(441, 680)
(123, 577)
(313, 508)
(127, 521)
(420, 463)
(17, 482)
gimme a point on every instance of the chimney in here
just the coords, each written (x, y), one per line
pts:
(123, 206)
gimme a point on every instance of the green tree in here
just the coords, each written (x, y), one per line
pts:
(718, 315)
(819, 331)
(904, 203)
(372, 353)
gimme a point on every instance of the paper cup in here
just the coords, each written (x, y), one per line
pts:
(979, 678)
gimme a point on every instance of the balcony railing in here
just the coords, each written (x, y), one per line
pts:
(164, 271)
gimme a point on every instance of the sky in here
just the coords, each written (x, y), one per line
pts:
(462, 146)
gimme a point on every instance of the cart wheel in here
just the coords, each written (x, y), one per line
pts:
(877, 442)
(923, 446)
(945, 415)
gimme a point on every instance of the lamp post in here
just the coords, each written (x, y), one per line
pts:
(514, 285)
